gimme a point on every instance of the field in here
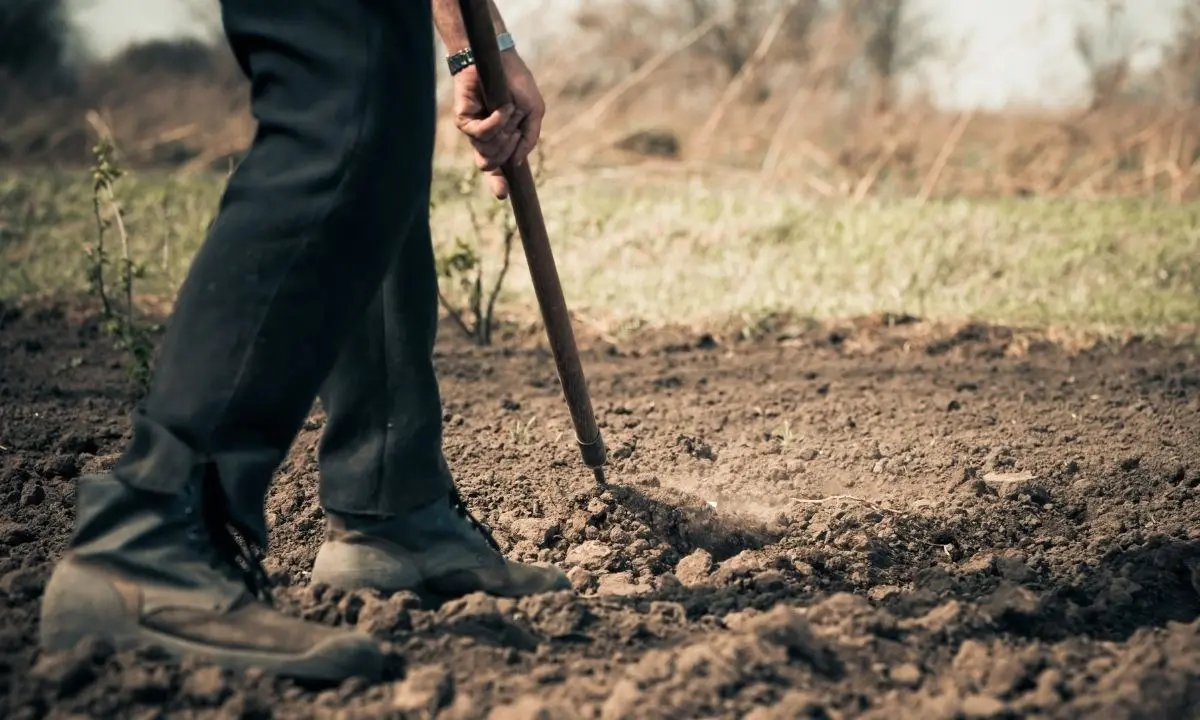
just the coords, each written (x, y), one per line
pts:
(883, 459)
(903, 405)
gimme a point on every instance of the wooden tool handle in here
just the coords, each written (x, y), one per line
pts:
(536, 242)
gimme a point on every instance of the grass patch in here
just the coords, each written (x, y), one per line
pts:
(635, 251)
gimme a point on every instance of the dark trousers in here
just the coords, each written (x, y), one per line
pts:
(317, 276)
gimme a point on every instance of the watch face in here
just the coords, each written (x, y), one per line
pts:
(460, 60)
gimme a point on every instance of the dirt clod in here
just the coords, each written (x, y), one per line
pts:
(1009, 558)
(425, 690)
(906, 674)
(695, 568)
(590, 555)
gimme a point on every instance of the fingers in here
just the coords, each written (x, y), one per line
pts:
(531, 132)
(492, 171)
(486, 128)
(497, 155)
(494, 137)
(497, 184)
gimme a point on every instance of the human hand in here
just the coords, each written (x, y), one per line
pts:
(509, 133)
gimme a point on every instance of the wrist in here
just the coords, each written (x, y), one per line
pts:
(463, 59)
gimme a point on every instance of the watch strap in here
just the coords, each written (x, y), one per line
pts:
(465, 58)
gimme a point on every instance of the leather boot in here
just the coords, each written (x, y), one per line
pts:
(439, 550)
(154, 569)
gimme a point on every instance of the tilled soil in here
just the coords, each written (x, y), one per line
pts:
(881, 520)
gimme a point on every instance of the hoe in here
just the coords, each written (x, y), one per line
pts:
(536, 242)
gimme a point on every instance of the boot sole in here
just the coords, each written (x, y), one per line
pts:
(77, 604)
(350, 567)
(363, 567)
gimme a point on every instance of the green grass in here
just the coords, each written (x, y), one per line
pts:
(634, 250)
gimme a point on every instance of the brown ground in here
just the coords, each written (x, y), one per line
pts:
(949, 588)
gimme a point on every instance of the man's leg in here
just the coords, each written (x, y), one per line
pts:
(381, 449)
(395, 521)
(343, 91)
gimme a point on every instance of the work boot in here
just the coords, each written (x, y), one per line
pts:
(439, 551)
(153, 569)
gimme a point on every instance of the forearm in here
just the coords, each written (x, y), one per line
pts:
(447, 17)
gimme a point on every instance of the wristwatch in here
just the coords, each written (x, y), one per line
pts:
(464, 58)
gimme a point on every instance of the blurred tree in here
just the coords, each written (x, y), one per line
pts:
(34, 42)
(733, 42)
(1183, 62)
(892, 40)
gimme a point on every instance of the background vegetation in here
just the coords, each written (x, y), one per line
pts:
(703, 159)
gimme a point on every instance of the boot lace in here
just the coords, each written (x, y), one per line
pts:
(232, 547)
(461, 508)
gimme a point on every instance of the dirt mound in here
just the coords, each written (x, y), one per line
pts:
(880, 521)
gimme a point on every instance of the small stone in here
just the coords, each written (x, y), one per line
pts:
(769, 581)
(1012, 604)
(66, 673)
(941, 618)
(744, 563)
(148, 685)
(12, 533)
(380, 616)
(908, 675)
(694, 569)
(62, 465)
(426, 690)
(667, 582)
(1013, 568)
(795, 704)
(971, 663)
(526, 707)
(539, 531)
(590, 555)
(1047, 693)
(620, 584)
(982, 706)
(581, 578)
(880, 593)
(206, 686)
(23, 584)
(978, 563)
(548, 674)
(787, 628)
(98, 464)
(32, 494)
(479, 615)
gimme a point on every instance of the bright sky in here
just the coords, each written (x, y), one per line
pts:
(994, 52)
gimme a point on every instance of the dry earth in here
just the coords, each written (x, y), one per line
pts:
(1023, 538)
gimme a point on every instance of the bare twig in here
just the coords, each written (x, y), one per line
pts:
(589, 118)
(126, 260)
(454, 314)
(935, 172)
(868, 181)
(791, 115)
(510, 233)
(744, 75)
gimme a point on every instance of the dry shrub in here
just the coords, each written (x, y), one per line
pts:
(172, 102)
(802, 92)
